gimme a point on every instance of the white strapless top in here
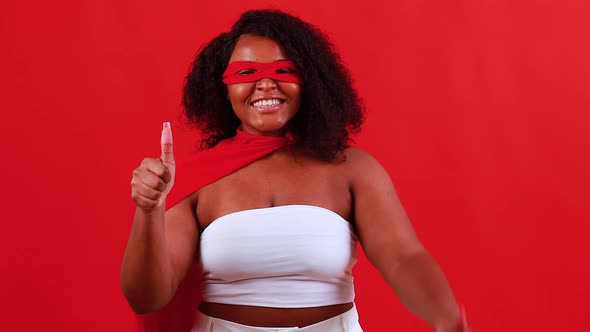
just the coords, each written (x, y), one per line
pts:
(289, 256)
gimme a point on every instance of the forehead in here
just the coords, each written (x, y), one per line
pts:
(257, 49)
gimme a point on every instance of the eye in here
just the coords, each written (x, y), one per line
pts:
(285, 71)
(246, 72)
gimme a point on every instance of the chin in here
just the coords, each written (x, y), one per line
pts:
(268, 123)
(273, 128)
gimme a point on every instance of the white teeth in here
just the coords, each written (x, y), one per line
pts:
(266, 103)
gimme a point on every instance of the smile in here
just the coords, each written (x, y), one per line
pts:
(268, 102)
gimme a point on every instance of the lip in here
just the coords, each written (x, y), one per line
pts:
(281, 98)
(268, 109)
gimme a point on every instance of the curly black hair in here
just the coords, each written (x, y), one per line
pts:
(330, 108)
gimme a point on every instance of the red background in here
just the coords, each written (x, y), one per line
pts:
(479, 111)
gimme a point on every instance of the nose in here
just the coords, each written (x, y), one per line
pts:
(266, 84)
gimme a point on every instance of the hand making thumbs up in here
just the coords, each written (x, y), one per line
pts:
(154, 178)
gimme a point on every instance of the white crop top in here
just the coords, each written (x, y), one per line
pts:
(289, 256)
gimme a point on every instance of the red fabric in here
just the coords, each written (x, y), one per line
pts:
(255, 71)
(192, 174)
(225, 158)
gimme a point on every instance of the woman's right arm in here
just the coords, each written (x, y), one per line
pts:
(162, 244)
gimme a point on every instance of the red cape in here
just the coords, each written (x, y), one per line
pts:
(192, 174)
(225, 158)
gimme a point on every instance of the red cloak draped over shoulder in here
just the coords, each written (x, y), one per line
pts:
(193, 173)
(225, 158)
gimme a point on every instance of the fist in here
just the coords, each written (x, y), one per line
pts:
(154, 178)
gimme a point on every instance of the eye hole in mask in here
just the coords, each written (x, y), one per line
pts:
(247, 71)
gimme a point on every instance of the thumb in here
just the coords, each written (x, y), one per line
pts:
(166, 141)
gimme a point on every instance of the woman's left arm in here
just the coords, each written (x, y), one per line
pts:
(391, 245)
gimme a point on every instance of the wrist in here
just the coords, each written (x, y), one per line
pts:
(152, 211)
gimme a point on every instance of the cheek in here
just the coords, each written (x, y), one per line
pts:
(292, 90)
(237, 93)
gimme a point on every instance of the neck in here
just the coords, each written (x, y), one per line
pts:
(270, 133)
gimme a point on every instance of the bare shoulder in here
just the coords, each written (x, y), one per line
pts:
(363, 166)
(360, 157)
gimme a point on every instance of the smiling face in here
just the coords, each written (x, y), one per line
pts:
(264, 106)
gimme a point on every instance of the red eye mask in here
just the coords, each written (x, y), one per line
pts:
(247, 71)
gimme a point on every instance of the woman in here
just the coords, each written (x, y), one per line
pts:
(275, 204)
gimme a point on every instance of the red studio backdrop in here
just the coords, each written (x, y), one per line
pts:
(479, 110)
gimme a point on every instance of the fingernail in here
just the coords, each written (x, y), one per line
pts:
(166, 125)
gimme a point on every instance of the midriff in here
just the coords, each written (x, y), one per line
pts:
(272, 317)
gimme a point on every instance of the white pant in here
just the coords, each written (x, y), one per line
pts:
(345, 322)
